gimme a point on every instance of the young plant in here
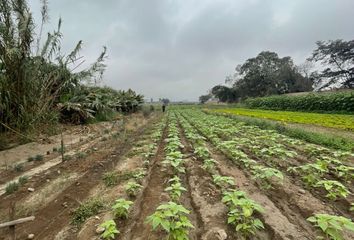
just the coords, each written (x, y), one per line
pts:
(140, 174)
(18, 167)
(241, 212)
(223, 182)
(110, 229)
(132, 188)
(265, 175)
(121, 208)
(175, 190)
(332, 226)
(209, 164)
(172, 218)
(334, 188)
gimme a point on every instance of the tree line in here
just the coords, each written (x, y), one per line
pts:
(268, 74)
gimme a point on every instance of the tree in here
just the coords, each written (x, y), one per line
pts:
(267, 74)
(338, 58)
(224, 93)
(204, 98)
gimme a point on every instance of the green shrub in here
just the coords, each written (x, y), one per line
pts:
(337, 102)
(22, 180)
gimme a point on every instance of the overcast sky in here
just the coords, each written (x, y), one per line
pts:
(181, 48)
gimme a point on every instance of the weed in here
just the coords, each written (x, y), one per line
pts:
(18, 167)
(12, 187)
(87, 209)
(22, 180)
(38, 157)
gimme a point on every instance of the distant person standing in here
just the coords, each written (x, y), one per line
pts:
(165, 102)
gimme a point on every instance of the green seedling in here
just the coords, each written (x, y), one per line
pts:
(140, 174)
(241, 212)
(110, 229)
(110, 179)
(121, 208)
(332, 226)
(223, 182)
(172, 218)
(334, 189)
(132, 188)
(265, 175)
(175, 190)
(209, 164)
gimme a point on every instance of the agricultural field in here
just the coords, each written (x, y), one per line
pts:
(184, 174)
(336, 121)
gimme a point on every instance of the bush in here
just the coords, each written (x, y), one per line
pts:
(334, 102)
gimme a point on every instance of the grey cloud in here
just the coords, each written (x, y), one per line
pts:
(180, 49)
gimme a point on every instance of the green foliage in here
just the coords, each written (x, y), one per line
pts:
(30, 159)
(209, 164)
(332, 226)
(175, 189)
(223, 182)
(336, 102)
(266, 174)
(172, 218)
(132, 188)
(22, 180)
(110, 229)
(334, 188)
(110, 179)
(12, 187)
(87, 209)
(121, 207)
(241, 212)
(326, 120)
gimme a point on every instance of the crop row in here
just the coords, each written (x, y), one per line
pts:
(241, 209)
(121, 206)
(214, 128)
(172, 217)
(338, 121)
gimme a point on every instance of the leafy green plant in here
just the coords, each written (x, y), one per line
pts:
(266, 174)
(209, 164)
(110, 229)
(334, 188)
(241, 212)
(121, 207)
(87, 209)
(139, 174)
(175, 190)
(332, 226)
(223, 181)
(132, 188)
(172, 218)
